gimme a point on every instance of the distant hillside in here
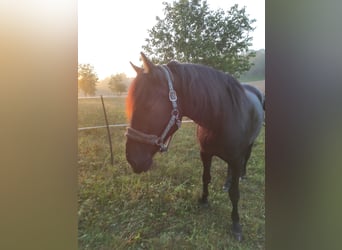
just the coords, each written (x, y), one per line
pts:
(257, 71)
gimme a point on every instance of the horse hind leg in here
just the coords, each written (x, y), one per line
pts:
(247, 156)
(243, 173)
(206, 177)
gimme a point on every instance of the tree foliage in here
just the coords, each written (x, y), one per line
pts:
(191, 32)
(118, 83)
(87, 79)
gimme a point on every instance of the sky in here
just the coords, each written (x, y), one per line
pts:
(112, 33)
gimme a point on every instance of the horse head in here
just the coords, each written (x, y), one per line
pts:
(152, 110)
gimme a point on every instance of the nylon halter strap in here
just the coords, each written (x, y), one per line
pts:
(161, 141)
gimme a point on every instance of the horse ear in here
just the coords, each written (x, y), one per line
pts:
(148, 65)
(136, 68)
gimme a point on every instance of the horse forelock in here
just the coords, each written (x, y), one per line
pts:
(144, 88)
(130, 100)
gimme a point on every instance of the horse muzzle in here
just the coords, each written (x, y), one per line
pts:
(139, 162)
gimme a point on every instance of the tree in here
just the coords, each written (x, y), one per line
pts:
(87, 79)
(191, 32)
(118, 83)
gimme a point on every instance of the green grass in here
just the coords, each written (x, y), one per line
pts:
(158, 209)
(90, 111)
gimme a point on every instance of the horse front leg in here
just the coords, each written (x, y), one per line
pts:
(234, 195)
(206, 177)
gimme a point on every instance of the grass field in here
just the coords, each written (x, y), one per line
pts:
(158, 209)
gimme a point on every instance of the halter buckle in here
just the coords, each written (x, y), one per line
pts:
(172, 95)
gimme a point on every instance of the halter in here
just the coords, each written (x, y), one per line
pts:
(160, 141)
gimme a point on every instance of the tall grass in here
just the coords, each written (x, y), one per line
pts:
(158, 209)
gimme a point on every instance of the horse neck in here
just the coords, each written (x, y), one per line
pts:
(190, 104)
(207, 96)
(188, 109)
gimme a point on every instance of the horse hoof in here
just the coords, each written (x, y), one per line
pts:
(238, 236)
(237, 232)
(203, 203)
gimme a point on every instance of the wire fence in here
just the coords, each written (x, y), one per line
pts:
(103, 96)
(110, 125)
(116, 125)
(104, 111)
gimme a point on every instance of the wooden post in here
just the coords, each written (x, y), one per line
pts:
(108, 131)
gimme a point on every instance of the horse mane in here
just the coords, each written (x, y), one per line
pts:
(209, 95)
(212, 93)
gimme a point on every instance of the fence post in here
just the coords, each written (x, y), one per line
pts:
(108, 131)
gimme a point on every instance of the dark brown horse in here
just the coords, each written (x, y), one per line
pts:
(229, 119)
